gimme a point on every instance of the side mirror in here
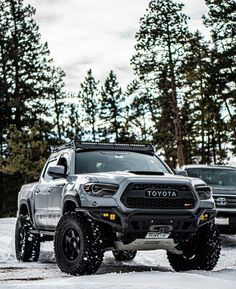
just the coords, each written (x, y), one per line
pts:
(181, 173)
(57, 172)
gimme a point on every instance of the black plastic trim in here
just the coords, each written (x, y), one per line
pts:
(183, 222)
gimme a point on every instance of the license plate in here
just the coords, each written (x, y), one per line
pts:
(222, 221)
(155, 235)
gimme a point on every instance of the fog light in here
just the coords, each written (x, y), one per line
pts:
(112, 217)
(204, 217)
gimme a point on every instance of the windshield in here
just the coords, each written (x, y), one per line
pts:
(108, 161)
(215, 177)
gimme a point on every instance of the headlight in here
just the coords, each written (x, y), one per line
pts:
(99, 190)
(204, 192)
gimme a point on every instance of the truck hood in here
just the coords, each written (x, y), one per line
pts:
(118, 177)
(223, 190)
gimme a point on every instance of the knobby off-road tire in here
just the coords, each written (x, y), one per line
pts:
(200, 253)
(27, 245)
(78, 245)
(124, 255)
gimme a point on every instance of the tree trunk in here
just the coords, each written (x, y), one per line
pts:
(16, 66)
(93, 127)
(178, 132)
(208, 145)
(213, 146)
(57, 118)
(5, 113)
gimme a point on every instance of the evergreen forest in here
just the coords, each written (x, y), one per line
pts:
(182, 98)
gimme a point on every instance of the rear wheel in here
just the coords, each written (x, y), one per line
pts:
(124, 255)
(27, 245)
(200, 253)
(78, 245)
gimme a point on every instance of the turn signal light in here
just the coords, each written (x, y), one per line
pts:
(188, 205)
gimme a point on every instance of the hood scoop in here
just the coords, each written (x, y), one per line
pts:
(151, 173)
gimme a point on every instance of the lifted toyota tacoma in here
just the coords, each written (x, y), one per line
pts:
(93, 197)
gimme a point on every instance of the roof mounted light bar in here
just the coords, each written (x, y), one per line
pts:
(78, 145)
(69, 145)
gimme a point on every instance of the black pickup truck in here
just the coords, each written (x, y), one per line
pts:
(222, 179)
(93, 197)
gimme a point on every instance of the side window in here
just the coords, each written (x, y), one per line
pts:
(46, 177)
(64, 161)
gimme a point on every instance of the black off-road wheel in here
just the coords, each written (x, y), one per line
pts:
(27, 245)
(78, 245)
(200, 253)
(124, 255)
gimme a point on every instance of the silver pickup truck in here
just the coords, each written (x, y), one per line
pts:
(93, 197)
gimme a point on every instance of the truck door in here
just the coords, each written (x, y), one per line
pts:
(55, 192)
(41, 196)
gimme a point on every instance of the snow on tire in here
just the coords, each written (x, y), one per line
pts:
(27, 245)
(78, 245)
(202, 252)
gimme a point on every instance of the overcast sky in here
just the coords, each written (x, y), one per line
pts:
(97, 34)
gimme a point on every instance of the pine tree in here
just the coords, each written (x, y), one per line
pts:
(164, 135)
(203, 121)
(56, 102)
(111, 111)
(88, 96)
(142, 110)
(194, 73)
(28, 77)
(5, 67)
(221, 20)
(190, 134)
(27, 152)
(160, 42)
(31, 93)
(74, 125)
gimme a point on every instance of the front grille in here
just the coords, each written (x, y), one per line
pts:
(178, 187)
(147, 203)
(134, 197)
(228, 202)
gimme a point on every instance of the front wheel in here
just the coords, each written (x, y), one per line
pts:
(200, 253)
(78, 245)
(124, 255)
(27, 245)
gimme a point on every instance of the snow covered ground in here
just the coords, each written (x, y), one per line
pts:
(148, 270)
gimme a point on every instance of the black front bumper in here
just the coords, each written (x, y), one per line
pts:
(137, 224)
(227, 229)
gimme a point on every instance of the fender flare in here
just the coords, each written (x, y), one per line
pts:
(71, 198)
(27, 204)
